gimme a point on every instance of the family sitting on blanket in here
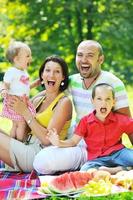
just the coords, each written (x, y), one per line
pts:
(102, 131)
(54, 110)
(89, 58)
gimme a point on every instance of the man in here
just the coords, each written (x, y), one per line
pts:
(89, 58)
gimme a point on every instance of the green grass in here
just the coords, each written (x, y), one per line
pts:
(120, 196)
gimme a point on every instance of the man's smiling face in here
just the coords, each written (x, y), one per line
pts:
(88, 59)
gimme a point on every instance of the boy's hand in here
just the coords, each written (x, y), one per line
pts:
(53, 137)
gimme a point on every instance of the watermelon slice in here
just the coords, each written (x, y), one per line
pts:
(69, 182)
(80, 179)
(61, 184)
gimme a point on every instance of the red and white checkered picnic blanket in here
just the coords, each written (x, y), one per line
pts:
(16, 185)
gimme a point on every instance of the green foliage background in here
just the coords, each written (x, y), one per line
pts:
(57, 26)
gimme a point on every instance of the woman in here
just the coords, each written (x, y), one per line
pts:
(54, 110)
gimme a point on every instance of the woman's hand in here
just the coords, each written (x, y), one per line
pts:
(53, 137)
(15, 103)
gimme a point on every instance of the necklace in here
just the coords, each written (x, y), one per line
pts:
(85, 86)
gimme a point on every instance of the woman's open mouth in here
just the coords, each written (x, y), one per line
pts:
(51, 83)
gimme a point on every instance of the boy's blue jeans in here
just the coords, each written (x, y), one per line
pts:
(123, 157)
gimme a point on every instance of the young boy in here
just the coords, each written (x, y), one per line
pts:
(102, 131)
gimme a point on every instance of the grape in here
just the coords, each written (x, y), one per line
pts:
(97, 188)
(44, 188)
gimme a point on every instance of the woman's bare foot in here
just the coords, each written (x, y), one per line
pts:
(112, 170)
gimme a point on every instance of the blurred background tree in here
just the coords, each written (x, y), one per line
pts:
(57, 27)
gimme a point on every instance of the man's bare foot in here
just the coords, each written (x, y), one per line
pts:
(112, 170)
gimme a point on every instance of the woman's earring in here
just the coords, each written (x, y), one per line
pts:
(62, 83)
(42, 82)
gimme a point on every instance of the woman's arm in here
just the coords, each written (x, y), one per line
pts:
(21, 108)
(62, 113)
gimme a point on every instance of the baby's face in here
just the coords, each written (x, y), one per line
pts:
(23, 59)
(103, 102)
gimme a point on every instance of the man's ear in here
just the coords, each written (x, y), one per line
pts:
(101, 59)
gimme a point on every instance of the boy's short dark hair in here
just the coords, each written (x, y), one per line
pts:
(103, 85)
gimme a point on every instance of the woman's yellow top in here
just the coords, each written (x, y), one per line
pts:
(44, 117)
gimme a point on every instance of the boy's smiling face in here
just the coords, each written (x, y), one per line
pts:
(103, 102)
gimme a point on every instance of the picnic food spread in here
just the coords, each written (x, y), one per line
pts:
(91, 183)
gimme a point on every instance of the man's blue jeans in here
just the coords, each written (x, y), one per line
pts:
(123, 157)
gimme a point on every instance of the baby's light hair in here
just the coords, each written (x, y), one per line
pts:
(14, 48)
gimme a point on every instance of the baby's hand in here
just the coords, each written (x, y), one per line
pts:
(35, 83)
(4, 93)
(53, 137)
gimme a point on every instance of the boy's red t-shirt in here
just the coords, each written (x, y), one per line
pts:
(104, 138)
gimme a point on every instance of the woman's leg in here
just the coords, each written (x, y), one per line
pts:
(53, 159)
(4, 148)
